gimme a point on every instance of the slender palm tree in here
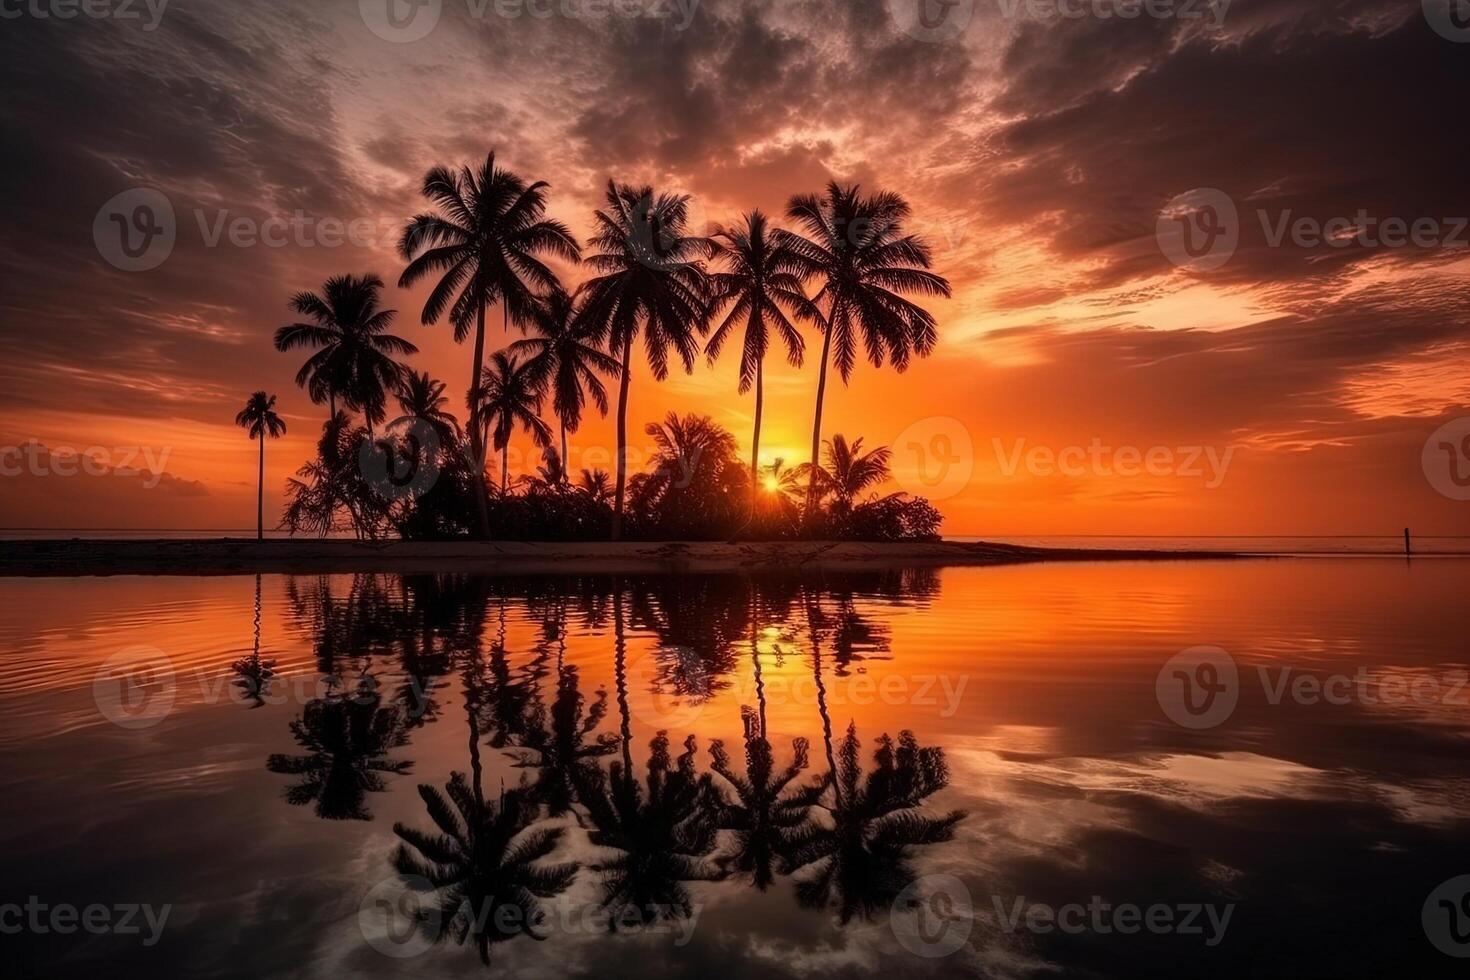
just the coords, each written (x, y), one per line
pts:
(484, 243)
(848, 471)
(481, 860)
(761, 284)
(569, 357)
(259, 418)
(510, 395)
(858, 250)
(650, 280)
(422, 397)
(354, 359)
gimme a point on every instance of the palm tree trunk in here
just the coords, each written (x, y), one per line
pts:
(620, 672)
(565, 471)
(826, 716)
(811, 486)
(504, 466)
(617, 525)
(477, 443)
(332, 403)
(260, 494)
(755, 440)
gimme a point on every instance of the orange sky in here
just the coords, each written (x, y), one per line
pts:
(1289, 391)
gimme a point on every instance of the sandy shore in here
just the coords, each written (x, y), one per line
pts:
(233, 556)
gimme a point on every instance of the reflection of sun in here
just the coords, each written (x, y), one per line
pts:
(771, 484)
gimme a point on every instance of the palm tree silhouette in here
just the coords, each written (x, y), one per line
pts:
(510, 394)
(855, 245)
(650, 280)
(422, 397)
(481, 863)
(252, 674)
(347, 738)
(259, 418)
(569, 357)
(560, 747)
(483, 243)
(354, 357)
(766, 813)
(859, 860)
(596, 484)
(762, 283)
(848, 471)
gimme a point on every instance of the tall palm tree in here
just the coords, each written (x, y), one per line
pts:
(259, 418)
(864, 261)
(422, 397)
(761, 284)
(651, 281)
(354, 358)
(510, 394)
(481, 862)
(484, 244)
(569, 356)
(848, 471)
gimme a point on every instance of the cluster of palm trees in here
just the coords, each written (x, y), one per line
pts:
(846, 835)
(487, 241)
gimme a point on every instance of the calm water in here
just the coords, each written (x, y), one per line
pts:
(234, 753)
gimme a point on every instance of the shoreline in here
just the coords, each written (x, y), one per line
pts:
(80, 557)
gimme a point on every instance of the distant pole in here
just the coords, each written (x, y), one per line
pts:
(1408, 548)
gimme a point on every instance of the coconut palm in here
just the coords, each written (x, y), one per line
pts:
(259, 418)
(481, 860)
(863, 261)
(422, 397)
(354, 359)
(761, 286)
(650, 280)
(562, 746)
(848, 471)
(569, 357)
(596, 484)
(510, 395)
(767, 812)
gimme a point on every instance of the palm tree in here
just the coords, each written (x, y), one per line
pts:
(856, 247)
(569, 357)
(259, 418)
(354, 357)
(510, 394)
(596, 484)
(849, 471)
(762, 283)
(781, 480)
(650, 280)
(563, 746)
(483, 243)
(422, 397)
(481, 862)
(765, 814)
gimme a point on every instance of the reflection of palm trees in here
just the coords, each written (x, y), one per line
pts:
(664, 838)
(252, 673)
(765, 815)
(559, 747)
(347, 738)
(482, 864)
